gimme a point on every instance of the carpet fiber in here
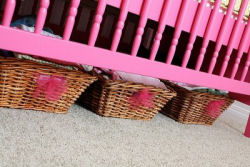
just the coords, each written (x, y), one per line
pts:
(82, 138)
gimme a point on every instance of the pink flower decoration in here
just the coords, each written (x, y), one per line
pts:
(52, 86)
(142, 98)
(213, 108)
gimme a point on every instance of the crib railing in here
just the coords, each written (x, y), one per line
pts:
(184, 15)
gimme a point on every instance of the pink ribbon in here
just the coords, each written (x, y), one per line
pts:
(142, 98)
(213, 108)
(52, 86)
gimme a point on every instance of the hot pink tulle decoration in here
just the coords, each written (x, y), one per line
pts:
(213, 108)
(52, 86)
(143, 98)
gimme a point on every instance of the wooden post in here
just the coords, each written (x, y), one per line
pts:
(247, 131)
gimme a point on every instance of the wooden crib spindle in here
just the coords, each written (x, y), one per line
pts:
(194, 29)
(242, 46)
(71, 19)
(141, 26)
(221, 35)
(209, 30)
(233, 37)
(8, 12)
(178, 29)
(246, 67)
(41, 17)
(161, 27)
(120, 25)
(97, 22)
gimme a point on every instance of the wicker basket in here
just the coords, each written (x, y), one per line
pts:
(190, 107)
(18, 82)
(111, 99)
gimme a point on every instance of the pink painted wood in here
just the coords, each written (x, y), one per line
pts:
(141, 26)
(41, 17)
(195, 26)
(222, 34)
(178, 29)
(111, 60)
(12, 39)
(209, 30)
(247, 131)
(120, 25)
(174, 10)
(240, 97)
(8, 12)
(244, 99)
(161, 27)
(243, 44)
(246, 67)
(71, 19)
(97, 22)
(233, 37)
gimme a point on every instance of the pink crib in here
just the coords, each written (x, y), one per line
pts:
(221, 61)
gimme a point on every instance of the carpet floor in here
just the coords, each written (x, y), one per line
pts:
(82, 138)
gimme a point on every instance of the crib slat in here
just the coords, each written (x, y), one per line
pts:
(209, 29)
(221, 35)
(233, 37)
(243, 45)
(120, 25)
(97, 22)
(193, 34)
(41, 17)
(246, 67)
(71, 19)
(162, 24)
(8, 12)
(177, 33)
(141, 26)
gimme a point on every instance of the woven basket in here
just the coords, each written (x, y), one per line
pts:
(111, 99)
(18, 82)
(190, 107)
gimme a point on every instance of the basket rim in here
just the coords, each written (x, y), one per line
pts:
(29, 64)
(195, 94)
(112, 84)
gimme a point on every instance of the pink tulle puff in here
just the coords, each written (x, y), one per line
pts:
(52, 86)
(213, 108)
(143, 98)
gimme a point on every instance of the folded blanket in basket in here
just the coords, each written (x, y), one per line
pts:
(119, 75)
(202, 89)
(39, 60)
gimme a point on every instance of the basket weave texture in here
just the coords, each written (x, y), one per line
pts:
(18, 82)
(110, 98)
(189, 107)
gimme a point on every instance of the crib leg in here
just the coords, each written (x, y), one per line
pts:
(247, 131)
(242, 98)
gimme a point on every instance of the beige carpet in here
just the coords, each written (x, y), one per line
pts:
(81, 138)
